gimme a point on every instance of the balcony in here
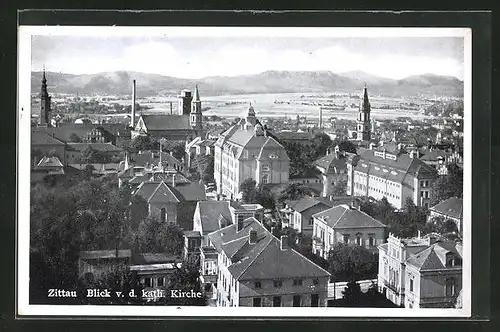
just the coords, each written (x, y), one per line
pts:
(393, 287)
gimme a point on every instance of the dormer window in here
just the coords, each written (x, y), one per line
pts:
(449, 260)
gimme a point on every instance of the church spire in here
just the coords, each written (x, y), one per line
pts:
(365, 103)
(196, 94)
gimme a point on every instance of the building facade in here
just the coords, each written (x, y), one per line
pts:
(256, 269)
(345, 224)
(245, 151)
(420, 272)
(394, 175)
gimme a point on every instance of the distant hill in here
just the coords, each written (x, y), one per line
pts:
(120, 82)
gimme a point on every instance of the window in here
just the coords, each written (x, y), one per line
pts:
(258, 284)
(278, 283)
(314, 300)
(147, 282)
(449, 260)
(411, 285)
(450, 287)
(297, 282)
(421, 194)
(358, 239)
(426, 183)
(426, 194)
(296, 300)
(371, 241)
(346, 238)
(315, 281)
(421, 183)
(276, 301)
(311, 221)
(161, 282)
(257, 301)
(163, 214)
(265, 178)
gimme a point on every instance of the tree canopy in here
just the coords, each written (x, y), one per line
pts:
(449, 185)
(351, 262)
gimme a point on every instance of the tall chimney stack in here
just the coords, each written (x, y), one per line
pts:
(132, 120)
(171, 109)
(320, 118)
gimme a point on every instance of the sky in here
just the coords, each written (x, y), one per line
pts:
(197, 57)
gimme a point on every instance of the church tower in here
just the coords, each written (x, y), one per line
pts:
(251, 116)
(44, 118)
(185, 102)
(363, 121)
(195, 118)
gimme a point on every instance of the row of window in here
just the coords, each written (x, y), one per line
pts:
(154, 282)
(279, 283)
(296, 302)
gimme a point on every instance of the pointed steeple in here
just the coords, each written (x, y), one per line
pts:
(43, 90)
(196, 94)
(251, 111)
(365, 103)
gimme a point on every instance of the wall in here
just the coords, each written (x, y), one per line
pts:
(154, 210)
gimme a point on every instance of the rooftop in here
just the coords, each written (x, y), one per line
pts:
(105, 254)
(452, 207)
(343, 216)
(166, 122)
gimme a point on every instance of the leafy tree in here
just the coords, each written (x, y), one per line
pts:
(352, 262)
(346, 145)
(340, 188)
(155, 236)
(208, 171)
(294, 191)
(321, 142)
(185, 279)
(265, 197)
(449, 185)
(36, 156)
(248, 189)
(141, 143)
(352, 295)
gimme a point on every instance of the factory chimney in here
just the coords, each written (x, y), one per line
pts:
(132, 119)
(320, 118)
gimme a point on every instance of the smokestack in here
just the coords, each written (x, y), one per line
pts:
(132, 120)
(320, 118)
(239, 225)
(171, 109)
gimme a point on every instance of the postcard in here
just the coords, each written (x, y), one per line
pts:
(244, 171)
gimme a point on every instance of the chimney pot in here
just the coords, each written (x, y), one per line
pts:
(252, 236)
(173, 180)
(284, 242)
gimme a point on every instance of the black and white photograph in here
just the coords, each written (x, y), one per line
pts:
(244, 171)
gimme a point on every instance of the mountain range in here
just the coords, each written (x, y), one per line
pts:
(120, 83)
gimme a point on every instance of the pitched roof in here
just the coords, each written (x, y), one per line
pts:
(153, 157)
(306, 203)
(154, 258)
(332, 161)
(42, 138)
(190, 191)
(106, 147)
(434, 155)
(166, 122)
(433, 257)
(210, 213)
(65, 132)
(342, 216)
(49, 162)
(105, 254)
(264, 259)
(163, 194)
(452, 207)
(293, 136)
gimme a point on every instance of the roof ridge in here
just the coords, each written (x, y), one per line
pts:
(345, 211)
(256, 256)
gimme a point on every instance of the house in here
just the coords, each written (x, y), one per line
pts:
(345, 224)
(256, 269)
(43, 144)
(451, 208)
(245, 151)
(49, 166)
(147, 159)
(393, 174)
(192, 244)
(154, 269)
(300, 213)
(333, 169)
(171, 202)
(420, 272)
(210, 216)
(107, 152)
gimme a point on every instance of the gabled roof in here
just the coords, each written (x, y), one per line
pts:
(49, 162)
(154, 258)
(211, 212)
(331, 162)
(264, 259)
(105, 147)
(190, 192)
(342, 216)
(166, 122)
(434, 155)
(306, 203)
(163, 194)
(452, 207)
(153, 157)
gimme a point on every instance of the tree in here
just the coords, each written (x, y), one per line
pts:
(352, 262)
(248, 191)
(449, 185)
(321, 142)
(36, 156)
(141, 143)
(352, 295)
(339, 188)
(185, 279)
(294, 191)
(154, 236)
(265, 197)
(347, 146)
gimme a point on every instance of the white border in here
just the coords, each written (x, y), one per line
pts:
(24, 142)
